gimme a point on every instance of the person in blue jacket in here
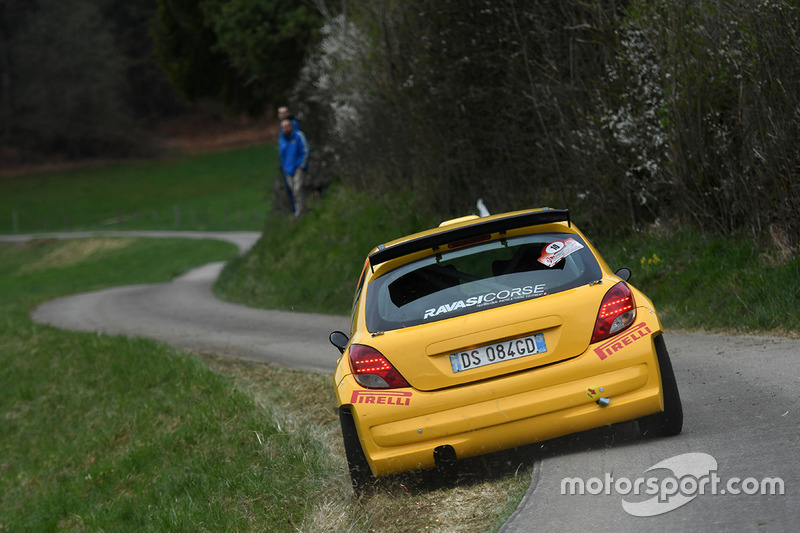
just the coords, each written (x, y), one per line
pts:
(294, 152)
(283, 114)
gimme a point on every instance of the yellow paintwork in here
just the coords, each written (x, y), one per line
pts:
(503, 405)
(458, 220)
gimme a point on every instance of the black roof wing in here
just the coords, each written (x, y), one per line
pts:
(496, 225)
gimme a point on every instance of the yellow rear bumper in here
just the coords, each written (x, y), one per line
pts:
(400, 429)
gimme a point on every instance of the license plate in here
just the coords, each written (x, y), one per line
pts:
(497, 353)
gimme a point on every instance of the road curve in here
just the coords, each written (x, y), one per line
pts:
(243, 240)
(741, 399)
(184, 312)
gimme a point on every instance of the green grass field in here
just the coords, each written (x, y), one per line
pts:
(696, 282)
(110, 433)
(214, 191)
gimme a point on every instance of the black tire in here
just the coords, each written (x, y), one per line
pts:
(360, 474)
(670, 421)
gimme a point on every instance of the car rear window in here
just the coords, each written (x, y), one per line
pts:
(483, 276)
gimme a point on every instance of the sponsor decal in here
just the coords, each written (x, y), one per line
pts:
(381, 397)
(490, 298)
(558, 250)
(612, 346)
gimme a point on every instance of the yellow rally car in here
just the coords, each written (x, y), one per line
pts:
(490, 333)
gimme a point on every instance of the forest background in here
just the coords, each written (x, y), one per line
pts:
(637, 115)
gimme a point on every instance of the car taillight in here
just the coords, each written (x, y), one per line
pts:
(373, 370)
(617, 312)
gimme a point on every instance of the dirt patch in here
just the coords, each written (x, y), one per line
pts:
(74, 252)
(203, 133)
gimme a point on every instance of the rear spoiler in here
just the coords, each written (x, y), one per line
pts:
(494, 225)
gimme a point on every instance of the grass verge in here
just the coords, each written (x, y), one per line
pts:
(480, 497)
(313, 264)
(727, 284)
(111, 433)
(713, 283)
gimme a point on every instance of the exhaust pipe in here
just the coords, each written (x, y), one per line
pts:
(445, 457)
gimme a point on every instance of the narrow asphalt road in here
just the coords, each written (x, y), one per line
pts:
(185, 313)
(734, 467)
(741, 403)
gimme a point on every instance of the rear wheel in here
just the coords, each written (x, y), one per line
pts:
(670, 420)
(360, 474)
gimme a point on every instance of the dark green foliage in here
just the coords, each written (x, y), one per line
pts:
(77, 77)
(460, 100)
(628, 113)
(147, 90)
(185, 50)
(245, 53)
(63, 80)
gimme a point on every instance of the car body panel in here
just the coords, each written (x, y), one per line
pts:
(399, 433)
(510, 403)
(427, 348)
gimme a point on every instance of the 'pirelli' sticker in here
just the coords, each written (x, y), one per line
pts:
(614, 344)
(378, 397)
